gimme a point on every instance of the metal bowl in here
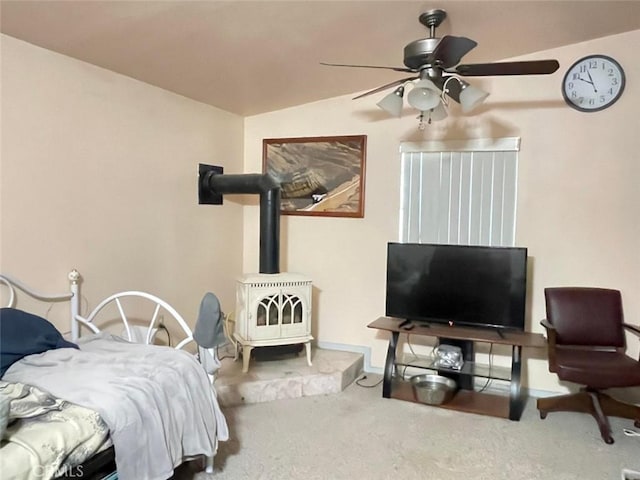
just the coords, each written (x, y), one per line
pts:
(433, 389)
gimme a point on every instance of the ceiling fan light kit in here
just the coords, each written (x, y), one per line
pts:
(424, 95)
(438, 113)
(392, 102)
(471, 97)
(435, 62)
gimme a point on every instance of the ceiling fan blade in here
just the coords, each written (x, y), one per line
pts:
(396, 69)
(384, 87)
(450, 50)
(534, 67)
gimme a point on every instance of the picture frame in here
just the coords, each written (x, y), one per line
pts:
(319, 176)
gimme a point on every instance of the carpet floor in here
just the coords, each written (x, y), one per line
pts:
(358, 434)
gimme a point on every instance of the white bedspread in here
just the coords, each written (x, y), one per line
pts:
(157, 401)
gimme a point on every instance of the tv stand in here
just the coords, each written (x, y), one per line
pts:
(466, 399)
(404, 323)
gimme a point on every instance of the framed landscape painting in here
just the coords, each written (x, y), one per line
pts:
(319, 176)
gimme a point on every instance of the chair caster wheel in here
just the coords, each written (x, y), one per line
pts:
(543, 415)
(608, 440)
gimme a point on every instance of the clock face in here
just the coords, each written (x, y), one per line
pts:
(593, 83)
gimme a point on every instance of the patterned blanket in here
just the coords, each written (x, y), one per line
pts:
(46, 436)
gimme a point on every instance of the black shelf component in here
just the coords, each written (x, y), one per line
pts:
(466, 399)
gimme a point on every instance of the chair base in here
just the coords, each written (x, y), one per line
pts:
(594, 402)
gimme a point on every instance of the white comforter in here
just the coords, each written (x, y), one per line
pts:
(157, 401)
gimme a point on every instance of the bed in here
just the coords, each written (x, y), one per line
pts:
(128, 395)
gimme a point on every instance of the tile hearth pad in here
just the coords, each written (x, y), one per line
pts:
(288, 376)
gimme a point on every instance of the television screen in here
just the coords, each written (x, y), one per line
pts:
(461, 284)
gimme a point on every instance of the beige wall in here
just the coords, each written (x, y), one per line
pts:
(577, 209)
(99, 173)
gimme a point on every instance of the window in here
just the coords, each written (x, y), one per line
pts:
(459, 192)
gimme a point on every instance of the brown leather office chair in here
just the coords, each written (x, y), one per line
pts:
(586, 344)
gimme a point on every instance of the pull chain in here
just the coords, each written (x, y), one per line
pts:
(422, 125)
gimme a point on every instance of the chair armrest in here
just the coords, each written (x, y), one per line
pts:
(551, 343)
(632, 328)
(547, 325)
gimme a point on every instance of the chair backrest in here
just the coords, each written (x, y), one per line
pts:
(586, 316)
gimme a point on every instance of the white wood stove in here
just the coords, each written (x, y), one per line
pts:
(272, 309)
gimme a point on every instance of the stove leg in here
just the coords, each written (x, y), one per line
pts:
(246, 354)
(307, 347)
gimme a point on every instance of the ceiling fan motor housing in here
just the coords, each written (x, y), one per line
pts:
(417, 53)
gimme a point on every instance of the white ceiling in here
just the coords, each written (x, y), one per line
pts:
(250, 57)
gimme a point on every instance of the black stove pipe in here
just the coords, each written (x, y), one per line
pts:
(213, 184)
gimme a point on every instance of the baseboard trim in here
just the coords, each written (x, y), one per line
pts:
(542, 393)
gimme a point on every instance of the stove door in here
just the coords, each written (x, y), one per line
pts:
(279, 314)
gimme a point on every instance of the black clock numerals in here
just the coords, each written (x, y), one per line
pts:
(593, 83)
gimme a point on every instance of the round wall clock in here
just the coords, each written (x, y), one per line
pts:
(593, 83)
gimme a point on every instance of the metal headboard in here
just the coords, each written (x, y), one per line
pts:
(73, 296)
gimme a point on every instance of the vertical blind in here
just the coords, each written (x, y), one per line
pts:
(459, 192)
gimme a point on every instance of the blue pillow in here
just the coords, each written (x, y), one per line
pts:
(23, 334)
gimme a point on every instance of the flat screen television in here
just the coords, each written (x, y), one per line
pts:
(457, 284)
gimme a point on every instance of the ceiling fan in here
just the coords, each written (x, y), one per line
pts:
(435, 62)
